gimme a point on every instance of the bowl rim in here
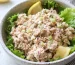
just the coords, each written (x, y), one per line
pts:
(24, 60)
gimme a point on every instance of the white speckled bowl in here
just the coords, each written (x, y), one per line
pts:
(19, 8)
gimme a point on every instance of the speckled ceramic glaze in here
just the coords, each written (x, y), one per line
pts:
(17, 9)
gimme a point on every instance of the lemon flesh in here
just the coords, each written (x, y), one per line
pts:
(2, 1)
(35, 8)
(62, 52)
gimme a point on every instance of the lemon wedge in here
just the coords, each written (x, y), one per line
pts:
(62, 52)
(35, 8)
(3, 1)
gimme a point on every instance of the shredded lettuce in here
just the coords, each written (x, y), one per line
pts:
(69, 16)
(52, 4)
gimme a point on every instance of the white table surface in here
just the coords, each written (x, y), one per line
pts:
(4, 58)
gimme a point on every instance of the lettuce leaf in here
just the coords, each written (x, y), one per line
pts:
(9, 43)
(10, 23)
(72, 42)
(52, 4)
(72, 49)
(69, 16)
